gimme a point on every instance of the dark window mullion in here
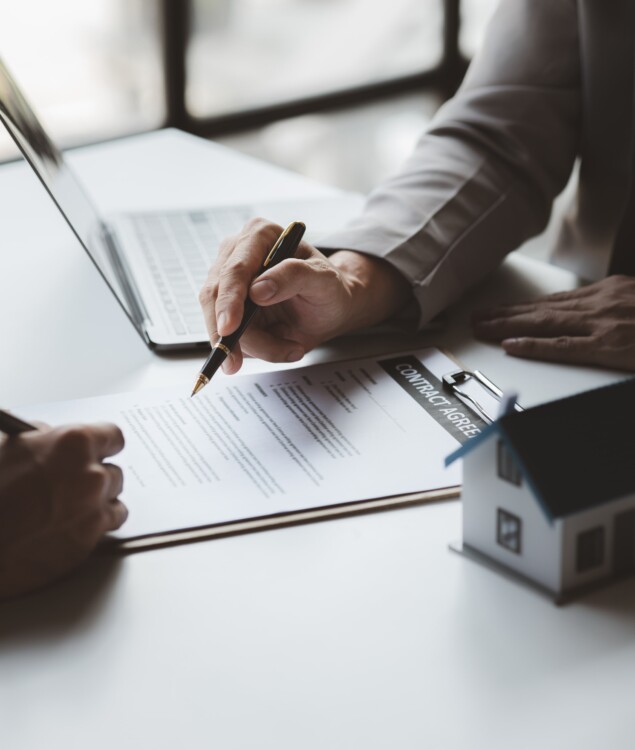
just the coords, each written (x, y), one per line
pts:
(454, 64)
(249, 119)
(176, 30)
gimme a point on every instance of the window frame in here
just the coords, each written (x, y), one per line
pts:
(174, 22)
(503, 516)
(507, 467)
(176, 16)
(590, 542)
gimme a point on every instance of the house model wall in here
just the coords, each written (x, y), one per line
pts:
(550, 502)
(490, 504)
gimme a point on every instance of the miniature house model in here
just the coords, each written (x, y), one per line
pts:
(549, 493)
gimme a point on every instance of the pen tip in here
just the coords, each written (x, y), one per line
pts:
(199, 385)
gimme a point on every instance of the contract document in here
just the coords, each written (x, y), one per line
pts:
(280, 442)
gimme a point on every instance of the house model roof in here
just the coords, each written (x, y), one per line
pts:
(575, 453)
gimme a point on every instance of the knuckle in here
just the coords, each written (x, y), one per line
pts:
(617, 280)
(259, 233)
(254, 224)
(260, 225)
(320, 264)
(563, 343)
(618, 333)
(291, 268)
(116, 440)
(226, 245)
(74, 443)
(114, 515)
(118, 436)
(542, 316)
(238, 269)
(94, 481)
(118, 480)
(325, 268)
(207, 295)
(525, 344)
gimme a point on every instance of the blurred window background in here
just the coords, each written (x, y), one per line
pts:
(92, 69)
(336, 89)
(249, 53)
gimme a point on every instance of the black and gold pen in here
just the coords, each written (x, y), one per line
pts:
(285, 247)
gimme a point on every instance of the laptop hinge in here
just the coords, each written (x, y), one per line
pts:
(133, 298)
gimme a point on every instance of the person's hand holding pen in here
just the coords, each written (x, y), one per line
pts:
(305, 300)
(58, 497)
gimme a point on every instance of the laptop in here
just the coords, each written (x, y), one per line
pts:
(155, 263)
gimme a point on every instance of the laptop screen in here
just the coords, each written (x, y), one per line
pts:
(56, 176)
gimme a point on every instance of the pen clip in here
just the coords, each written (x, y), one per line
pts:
(294, 225)
(452, 381)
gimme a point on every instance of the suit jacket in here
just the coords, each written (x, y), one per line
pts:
(554, 81)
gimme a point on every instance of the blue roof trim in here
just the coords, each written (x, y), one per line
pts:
(471, 443)
(496, 427)
(527, 475)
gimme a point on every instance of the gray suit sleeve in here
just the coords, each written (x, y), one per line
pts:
(484, 176)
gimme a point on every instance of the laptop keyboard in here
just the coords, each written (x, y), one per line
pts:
(179, 249)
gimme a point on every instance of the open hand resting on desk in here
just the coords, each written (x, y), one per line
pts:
(57, 499)
(593, 325)
(306, 300)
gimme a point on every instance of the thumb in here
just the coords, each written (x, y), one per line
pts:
(310, 279)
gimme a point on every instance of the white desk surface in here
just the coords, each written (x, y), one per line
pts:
(359, 633)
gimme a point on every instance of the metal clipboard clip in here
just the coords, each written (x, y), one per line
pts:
(455, 383)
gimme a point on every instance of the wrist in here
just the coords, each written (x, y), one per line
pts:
(377, 290)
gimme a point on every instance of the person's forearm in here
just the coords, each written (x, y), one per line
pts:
(378, 290)
(482, 180)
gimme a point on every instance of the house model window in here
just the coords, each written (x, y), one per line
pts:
(590, 549)
(509, 531)
(506, 466)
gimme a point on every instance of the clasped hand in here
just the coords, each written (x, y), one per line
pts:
(57, 499)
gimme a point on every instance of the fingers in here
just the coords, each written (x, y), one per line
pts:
(537, 323)
(271, 346)
(115, 515)
(100, 506)
(573, 294)
(234, 360)
(225, 291)
(573, 300)
(113, 481)
(231, 281)
(579, 350)
(107, 438)
(91, 487)
(526, 308)
(78, 539)
(294, 277)
(82, 444)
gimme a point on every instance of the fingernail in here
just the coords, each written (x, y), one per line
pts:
(510, 342)
(295, 355)
(264, 289)
(221, 322)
